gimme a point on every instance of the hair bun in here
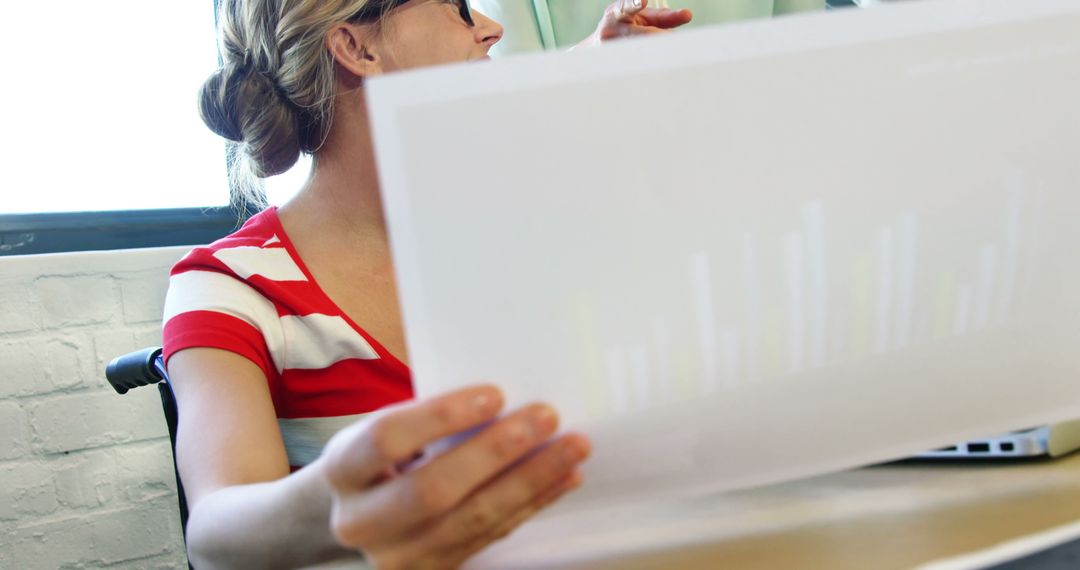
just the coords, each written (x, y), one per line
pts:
(217, 102)
(248, 107)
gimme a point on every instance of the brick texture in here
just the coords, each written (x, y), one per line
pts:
(15, 428)
(21, 310)
(84, 421)
(27, 489)
(78, 300)
(33, 366)
(110, 344)
(86, 475)
(96, 538)
(115, 476)
(143, 297)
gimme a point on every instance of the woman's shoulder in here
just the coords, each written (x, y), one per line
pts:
(218, 295)
(256, 248)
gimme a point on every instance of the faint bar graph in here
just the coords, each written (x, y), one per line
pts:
(752, 307)
(584, 321)
(984, 287)
(729, 356)
(796, 319)
(838, 337)
(813, 218)
(664, 362)
(617, 380)
(907, 234)
(921, 331)
(962, 314)
(701, 294)
(945, 297)
(886, 266)
(1013, 231)
(639, 377)
(888, 308)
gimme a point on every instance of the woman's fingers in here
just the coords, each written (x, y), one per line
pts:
(518, 493)
(458, 501)
(552, 494)
(462, 552)
(401, 505)
(625, 10)
(495, 511)
(630, 18)
(365, 451)
(664, 19)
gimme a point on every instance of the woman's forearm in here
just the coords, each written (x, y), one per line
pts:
(280, 524)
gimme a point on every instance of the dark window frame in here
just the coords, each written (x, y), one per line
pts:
(55, 232)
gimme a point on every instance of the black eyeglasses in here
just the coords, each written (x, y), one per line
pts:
(374, 9)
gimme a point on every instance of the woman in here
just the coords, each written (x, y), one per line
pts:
(261, 336)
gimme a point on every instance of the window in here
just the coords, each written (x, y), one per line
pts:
(104, 147)
(102, 127)
(106, 114)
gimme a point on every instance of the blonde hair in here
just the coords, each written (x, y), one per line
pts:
(273, 96)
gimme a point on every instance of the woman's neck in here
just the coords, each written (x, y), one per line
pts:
(336, 224)
(340, 206)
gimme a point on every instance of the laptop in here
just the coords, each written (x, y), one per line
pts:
(1052, 440)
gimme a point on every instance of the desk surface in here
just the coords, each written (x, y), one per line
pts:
(883, 517)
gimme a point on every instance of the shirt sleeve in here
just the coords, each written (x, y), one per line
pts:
(209, 309)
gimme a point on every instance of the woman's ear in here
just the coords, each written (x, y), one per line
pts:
(351, 47)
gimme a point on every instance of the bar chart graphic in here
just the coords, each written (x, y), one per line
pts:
(897, 295)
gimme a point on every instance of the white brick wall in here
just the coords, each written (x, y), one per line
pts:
(86, 476)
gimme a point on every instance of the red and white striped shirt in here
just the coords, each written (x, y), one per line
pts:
(251, 294)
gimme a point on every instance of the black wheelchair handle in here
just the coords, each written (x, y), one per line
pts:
(133, 370)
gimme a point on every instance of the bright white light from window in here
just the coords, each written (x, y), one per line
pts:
(284, 186)
(101, 108)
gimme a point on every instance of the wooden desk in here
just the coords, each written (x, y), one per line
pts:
(884, 517)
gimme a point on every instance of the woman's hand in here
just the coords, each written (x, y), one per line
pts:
(633, 17)
(439, 512)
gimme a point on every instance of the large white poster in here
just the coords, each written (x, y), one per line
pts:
(754, 252)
